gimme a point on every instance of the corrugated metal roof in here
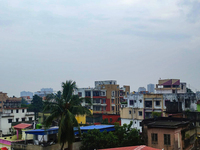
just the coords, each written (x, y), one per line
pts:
(22, 126)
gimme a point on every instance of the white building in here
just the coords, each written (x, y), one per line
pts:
(10, 115)
(134, 111)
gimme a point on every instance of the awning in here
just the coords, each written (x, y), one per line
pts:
(22, 126)
(42, 131)
(101, 128)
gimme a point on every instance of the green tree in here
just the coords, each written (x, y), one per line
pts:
(121, 137)
(36, 105)
(64, 106)
(189, 90)
(156, 114)
(24, 103)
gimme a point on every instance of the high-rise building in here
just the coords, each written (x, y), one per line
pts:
(44, 92)
(140, 89)
(150, 88)
(26, 94)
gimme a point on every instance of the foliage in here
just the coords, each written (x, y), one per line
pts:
(156, 114)
(105, 121)
(36, 105)
(189, 90)
(123, 102)
(63, 107)
(122, 136)
(24, 103)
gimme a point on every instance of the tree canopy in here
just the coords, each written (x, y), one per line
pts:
(64, 106)
(122, 136)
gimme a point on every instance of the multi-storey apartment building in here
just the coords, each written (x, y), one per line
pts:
(8, 102)
(105, 96)
(141, 106)
(170, 86)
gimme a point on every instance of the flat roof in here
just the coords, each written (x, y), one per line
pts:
(140, 147)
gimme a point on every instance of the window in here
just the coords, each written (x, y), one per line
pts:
(30, 118)
(103, 93)
(23, 119)
(87, 93)
(167, 139)
(0, 101)
(17, 119)
(157, 103)
(96, 93)
(148, 104)
(11, 111)
(97, 108)
(17, 110)
(131, 102)
(112, 100)
(23, 110)
(104, 101)
(140, 113)
(80, 94)
(113, 93)
(96, 100)
(104, 108)
(140, 101)
(154, 138)
(129, 111)
(113, 108)
(9, 120)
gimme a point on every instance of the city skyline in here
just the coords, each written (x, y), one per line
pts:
(45, 43)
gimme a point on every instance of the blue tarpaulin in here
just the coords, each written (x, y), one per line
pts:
(101, 128)
(42, 131)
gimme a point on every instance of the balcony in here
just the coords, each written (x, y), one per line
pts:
(7, 115)
(29, 113)
(103, 104)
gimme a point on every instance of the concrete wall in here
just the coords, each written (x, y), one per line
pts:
(76, 146)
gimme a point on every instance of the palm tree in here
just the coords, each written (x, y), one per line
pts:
(64, 106)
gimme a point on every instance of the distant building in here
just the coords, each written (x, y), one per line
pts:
(150, 88)
(8, 102)
(165, 86)
(26, 93)
(44, 92)
(140, 89)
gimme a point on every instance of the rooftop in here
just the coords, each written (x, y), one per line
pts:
(141, 147)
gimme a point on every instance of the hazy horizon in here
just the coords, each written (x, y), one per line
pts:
(45, 43)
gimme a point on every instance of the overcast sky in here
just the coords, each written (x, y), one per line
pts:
(136, 42)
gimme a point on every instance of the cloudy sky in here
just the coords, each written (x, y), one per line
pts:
(136, 42)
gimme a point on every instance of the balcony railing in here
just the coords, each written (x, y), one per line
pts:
(30, 113)
(7, 115)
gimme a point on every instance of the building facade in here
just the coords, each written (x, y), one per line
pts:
(169, 133)
(105, 96)
(10, 115)
(170, 86)
(141, 106)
